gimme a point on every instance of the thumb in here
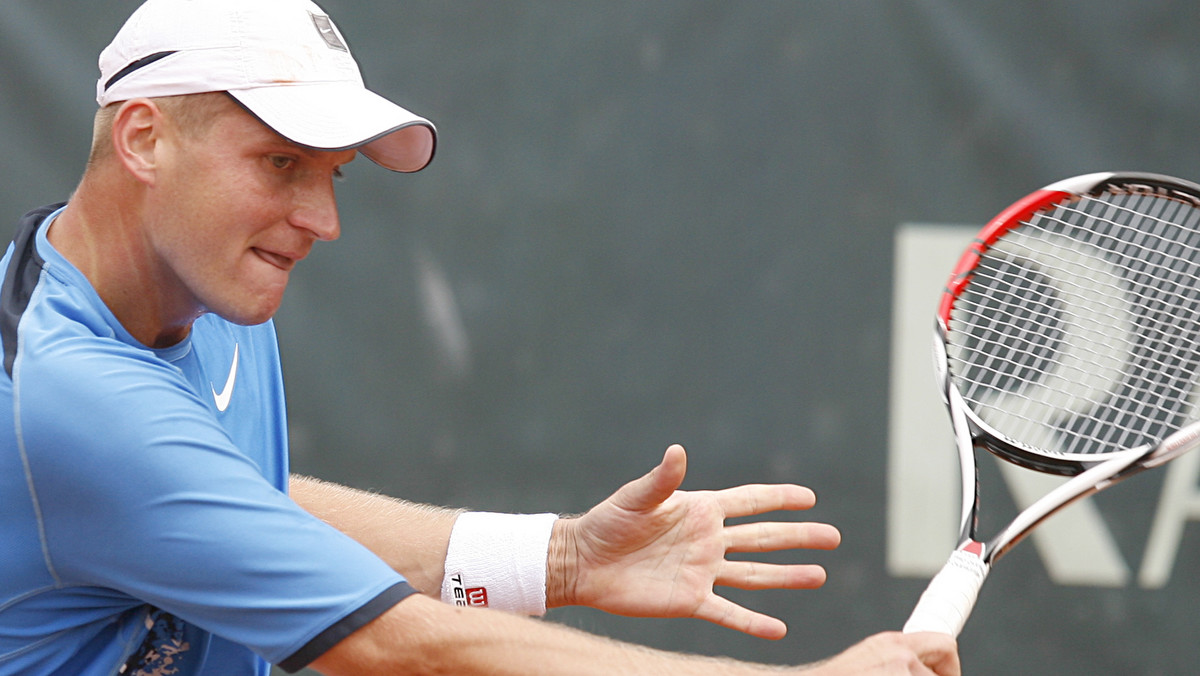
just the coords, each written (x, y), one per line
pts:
(656, 486)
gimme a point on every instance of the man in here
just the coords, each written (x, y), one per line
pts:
(150, 522)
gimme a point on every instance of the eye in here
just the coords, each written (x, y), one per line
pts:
(281, 161)
(338, 175)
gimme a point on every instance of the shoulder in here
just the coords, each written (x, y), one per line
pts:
(88, 392)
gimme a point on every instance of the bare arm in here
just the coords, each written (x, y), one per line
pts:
(422, 636)
(410, 537)
(649, 550)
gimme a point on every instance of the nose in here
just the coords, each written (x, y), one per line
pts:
(315, 210)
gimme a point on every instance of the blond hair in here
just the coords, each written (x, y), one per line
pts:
(193, 114)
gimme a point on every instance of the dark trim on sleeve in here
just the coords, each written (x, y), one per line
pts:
(346, 626)
(24, 270)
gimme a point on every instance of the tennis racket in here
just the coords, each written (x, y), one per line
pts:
(1067, 341)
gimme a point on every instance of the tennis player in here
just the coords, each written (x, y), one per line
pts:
(149, 520)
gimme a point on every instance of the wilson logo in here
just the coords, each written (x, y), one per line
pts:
(475, 597)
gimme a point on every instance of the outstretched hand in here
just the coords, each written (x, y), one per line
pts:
(651, 550)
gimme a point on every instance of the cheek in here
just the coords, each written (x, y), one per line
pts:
(226, 218)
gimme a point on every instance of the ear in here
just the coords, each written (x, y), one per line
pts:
(137, 135)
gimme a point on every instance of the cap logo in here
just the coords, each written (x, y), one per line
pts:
(328, 33)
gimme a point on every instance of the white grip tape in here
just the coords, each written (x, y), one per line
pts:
(498, 561)
(950, 596)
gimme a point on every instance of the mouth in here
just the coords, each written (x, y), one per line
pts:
(285, 263)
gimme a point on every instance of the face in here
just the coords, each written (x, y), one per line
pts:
(232, 211)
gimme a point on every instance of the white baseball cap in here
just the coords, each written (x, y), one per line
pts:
(283, 60)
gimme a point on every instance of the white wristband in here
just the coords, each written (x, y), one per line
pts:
(498, 561)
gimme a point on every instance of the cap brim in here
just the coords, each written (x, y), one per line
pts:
(340, 116)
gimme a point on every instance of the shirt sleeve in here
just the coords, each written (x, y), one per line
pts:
(140, 490)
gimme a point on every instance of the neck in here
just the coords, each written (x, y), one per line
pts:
(101, 235)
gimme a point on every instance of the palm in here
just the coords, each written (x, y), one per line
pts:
(651, 550)
(662, 560)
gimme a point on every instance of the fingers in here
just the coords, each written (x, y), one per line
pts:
(668, 476)
(770, 537)
(656, 486)
(755, 575)
(755, 499)
(896, 653)
(777, 536)
(938, 653)
(722, 611)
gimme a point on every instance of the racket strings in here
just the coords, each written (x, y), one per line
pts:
(1077, 333)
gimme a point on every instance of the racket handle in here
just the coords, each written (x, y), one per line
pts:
(950, 596)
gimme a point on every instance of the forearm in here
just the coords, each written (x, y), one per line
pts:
(412, 538)
(541, 648)
(417, 637)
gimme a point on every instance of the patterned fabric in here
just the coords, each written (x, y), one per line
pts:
(162, 648)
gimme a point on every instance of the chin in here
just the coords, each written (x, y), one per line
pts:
(247, 316)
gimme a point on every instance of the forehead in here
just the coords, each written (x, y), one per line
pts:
(234, 125)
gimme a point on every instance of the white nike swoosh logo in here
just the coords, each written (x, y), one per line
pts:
(222, 398)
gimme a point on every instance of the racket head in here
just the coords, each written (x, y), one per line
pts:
(1069, 327)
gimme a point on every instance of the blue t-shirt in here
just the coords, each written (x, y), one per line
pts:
(144, 520)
